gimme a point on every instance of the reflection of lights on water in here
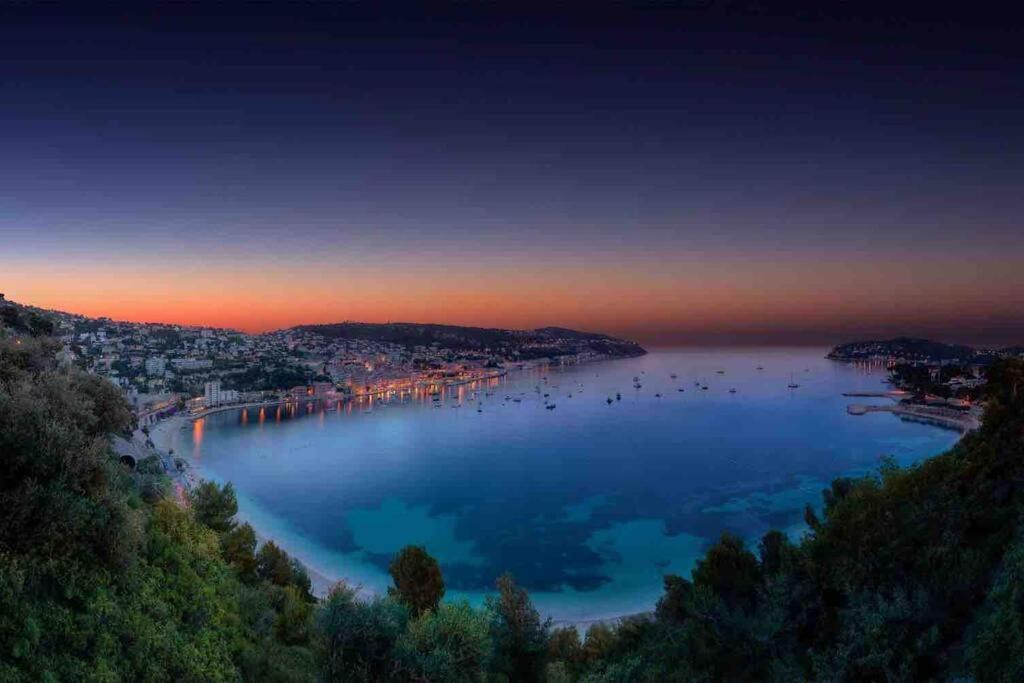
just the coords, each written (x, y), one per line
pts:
(245, 416)
(263, 415)
(197, 435)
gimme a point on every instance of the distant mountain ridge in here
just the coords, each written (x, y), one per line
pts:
(545, 341)
(924, 350)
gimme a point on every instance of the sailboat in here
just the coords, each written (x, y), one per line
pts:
(792, 384)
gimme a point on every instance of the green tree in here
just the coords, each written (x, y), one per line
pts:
(519, 635)
(417, 578)
(215, 506)
(239, 548)
(731, 571)
(273, 564)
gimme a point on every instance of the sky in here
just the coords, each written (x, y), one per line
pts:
(678, 173)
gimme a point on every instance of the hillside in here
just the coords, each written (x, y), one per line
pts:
(510, 344)
(911, 349)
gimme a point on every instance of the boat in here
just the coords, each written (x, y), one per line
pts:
(618, 396)
(609, 399)
(550, 406)
(792, 384)
(720, 372)
(681, 390)
(704, 387)
(760, 367)
(637, 385)
(517, 400)
(732, 391)
(673, 375)
(657, 396)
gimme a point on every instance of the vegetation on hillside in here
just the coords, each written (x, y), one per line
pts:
(523, 344)
(106, 575)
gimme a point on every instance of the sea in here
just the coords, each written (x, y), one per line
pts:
(588, 483)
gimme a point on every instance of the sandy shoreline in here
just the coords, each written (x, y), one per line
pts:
(162, 435)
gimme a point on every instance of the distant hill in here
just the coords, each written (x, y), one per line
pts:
(547, 341)
(912, 349)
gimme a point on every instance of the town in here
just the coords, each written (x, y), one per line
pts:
(163, 368)
(932, 382)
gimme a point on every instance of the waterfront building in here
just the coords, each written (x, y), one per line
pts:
(214, 395)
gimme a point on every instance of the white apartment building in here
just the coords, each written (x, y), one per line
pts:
(214, 395)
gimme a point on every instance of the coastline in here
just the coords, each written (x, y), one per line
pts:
(162, 436)
(355, 397)
(325, 570)
(323, 580)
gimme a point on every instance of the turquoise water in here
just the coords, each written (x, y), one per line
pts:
(588, 504)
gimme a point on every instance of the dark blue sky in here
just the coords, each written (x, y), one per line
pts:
(710, 171)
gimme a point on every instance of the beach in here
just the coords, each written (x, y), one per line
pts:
(162, 435)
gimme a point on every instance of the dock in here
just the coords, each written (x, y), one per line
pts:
(940, 417)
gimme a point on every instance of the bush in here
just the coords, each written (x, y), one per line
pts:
(359, 637)
(448, 644)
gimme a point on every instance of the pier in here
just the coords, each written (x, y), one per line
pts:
(940, 417)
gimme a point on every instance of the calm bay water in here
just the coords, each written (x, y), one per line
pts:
(588, 504)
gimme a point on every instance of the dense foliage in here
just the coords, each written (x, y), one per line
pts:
(107, 575)
(547, 342)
